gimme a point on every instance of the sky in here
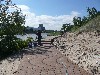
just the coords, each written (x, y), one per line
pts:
(54, 13)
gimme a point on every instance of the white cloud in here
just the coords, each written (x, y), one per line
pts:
(50, 22)
(24, 7)
(74, 13)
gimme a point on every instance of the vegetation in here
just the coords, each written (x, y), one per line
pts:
(11, 24)
(80, 22)
(50, 32)
(93, 25)
(53, 33)
(28, 31)
(66, 27)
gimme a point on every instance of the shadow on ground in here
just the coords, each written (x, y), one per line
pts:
(29, 51)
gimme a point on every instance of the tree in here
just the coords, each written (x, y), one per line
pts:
(31, 30)
(84, 20)
(77, 21)
(11, 24)
(64, 28)
(92, 12)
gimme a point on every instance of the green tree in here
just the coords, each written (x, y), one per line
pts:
(11, 23)
(92, 12)
(84, 20)
(75, 21)
(64, 28)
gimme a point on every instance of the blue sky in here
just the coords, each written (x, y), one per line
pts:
(50, 12)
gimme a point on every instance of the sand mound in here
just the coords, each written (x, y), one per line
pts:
(83, 49)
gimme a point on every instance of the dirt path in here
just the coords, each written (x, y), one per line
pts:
(47, 60)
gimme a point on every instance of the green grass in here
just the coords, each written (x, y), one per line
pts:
(54, 33)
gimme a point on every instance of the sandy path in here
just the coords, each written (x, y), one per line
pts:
(9, 65)
(44, 60)
(47, 60)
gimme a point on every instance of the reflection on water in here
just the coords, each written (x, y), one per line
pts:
(24, 37)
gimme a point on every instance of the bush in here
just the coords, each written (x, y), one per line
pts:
(75, 28)
(29, 39)
(11, 23)
(10, 46)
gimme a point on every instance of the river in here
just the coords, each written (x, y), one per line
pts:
(24, 37)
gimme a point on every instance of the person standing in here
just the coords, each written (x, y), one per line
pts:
(39, 37)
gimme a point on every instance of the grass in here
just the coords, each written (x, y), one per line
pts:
(54, 33)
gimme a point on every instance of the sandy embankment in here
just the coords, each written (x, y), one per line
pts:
(83, 49)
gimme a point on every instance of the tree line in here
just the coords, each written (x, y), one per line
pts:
(80, 21)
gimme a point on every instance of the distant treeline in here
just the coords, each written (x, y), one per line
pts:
(80, 21)
(52, 32)
(30, 31)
